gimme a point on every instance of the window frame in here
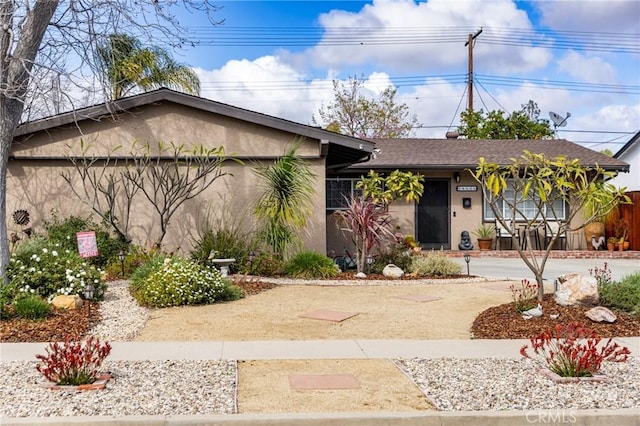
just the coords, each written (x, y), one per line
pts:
(488, 216)
(329, 199)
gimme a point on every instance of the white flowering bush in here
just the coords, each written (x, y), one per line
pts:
(182, 282)
(44, 268)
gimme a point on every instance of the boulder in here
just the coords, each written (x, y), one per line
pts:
(67, 302)
(600, 314)
(576, 289)
(392, 271)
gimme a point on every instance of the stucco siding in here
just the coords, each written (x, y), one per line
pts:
(35, 182)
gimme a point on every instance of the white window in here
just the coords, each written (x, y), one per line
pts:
(528, 208)
(339, 190)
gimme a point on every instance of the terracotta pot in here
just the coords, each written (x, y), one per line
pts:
(621, 246)
(596, 230)
(611, 246)
(627, 245)
(484, 244)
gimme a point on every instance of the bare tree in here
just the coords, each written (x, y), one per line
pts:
(104, 189)
(43, 34)
(172, 175)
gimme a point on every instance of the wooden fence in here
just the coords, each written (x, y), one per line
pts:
(631, 213)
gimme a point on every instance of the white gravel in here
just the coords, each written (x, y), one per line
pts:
(503, 384)
(210, 387)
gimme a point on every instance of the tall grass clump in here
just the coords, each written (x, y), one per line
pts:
(435, 264)
(310, 265)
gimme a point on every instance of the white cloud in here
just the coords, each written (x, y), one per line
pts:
(592, 15)
(589, 69)
(435, 20)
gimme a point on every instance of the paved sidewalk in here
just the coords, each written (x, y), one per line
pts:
(302, 349)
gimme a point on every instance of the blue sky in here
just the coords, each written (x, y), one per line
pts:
(279, 57)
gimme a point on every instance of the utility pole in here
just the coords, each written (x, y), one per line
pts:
(470, 77)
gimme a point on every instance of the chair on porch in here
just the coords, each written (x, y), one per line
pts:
(552, 229)
(503, 232)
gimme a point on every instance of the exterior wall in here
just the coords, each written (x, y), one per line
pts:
(630, 180)
(35, 182)
(465, 219)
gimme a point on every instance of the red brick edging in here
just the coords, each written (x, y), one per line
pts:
(553, 254)
(100, 383)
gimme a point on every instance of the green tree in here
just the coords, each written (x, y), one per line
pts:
(396, 185)
(523, 124)
(545, 185)
(352, 113)
(56, 36)
(286, 201)
(127, 66)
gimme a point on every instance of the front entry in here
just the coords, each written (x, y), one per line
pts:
(433, 215)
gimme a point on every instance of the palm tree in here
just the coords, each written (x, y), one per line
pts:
(287, 199)
(128, 65)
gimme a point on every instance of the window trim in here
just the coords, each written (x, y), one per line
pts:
(352, 192)
(488, 216)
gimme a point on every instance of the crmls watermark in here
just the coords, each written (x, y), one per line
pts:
(551, 417)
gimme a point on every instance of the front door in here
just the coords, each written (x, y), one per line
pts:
(433, 215)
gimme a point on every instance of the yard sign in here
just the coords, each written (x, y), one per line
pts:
(87, 244)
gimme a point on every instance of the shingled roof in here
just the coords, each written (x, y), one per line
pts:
(464, 153)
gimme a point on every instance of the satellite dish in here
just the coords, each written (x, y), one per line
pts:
(558, 120)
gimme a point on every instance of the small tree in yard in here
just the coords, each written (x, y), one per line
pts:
(367, 218)
(545, 186)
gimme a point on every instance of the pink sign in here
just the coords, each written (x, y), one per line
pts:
(87, 244)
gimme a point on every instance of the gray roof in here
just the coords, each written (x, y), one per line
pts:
(342, 149)
(455, 154)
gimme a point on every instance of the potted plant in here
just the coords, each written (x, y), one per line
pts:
(611, 243)
(485, 236)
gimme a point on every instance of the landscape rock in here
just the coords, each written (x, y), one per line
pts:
(392, 271)
(67, 302)
(361, 275)
(576, 289)
(601, 314)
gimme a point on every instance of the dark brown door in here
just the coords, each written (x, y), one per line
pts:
(433, 215)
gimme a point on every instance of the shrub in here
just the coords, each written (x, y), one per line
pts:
(572, 350)
(49, 270)
(309, 264)
(63, 232)
(73, 362)
(31, 307)
(136, 256)
(182, 282)
(266, 265)
(227, 244)
(623, 295)
(435, 264)
(524, 298)
(154, 264)
(396, 253)
(7, 293)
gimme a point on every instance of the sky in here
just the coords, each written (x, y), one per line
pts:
(577, 57)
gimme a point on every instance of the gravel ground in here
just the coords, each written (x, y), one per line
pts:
(210, 387)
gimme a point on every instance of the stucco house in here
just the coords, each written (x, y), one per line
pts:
(40, 149)
(452, 201)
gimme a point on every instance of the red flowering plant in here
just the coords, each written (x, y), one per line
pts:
(524, 298)
(573, 350)
(73, 362)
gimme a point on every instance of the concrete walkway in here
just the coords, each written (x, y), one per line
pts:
(302, 349)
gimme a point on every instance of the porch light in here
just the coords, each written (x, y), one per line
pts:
(456, 175)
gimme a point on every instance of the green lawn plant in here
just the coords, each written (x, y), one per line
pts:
(434, 264)
(31, 306)
(49, 270)
(310, 265)
(623, 295)
(183, 282)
